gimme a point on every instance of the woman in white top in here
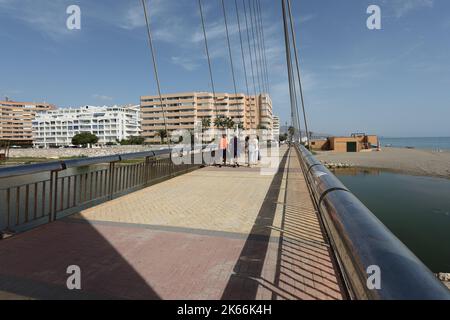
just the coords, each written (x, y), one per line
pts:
(253, 149)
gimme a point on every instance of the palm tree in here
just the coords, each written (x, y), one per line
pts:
(291, 131)
(206, 124)
(162, 133)
(261, 127)
(219, 122)
(229, 123)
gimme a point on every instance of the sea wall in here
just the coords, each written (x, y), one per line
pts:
(77, 152)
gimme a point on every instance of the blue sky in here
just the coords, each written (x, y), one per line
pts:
(392, 82)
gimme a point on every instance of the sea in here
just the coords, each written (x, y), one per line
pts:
(429, 143)
(416, 209)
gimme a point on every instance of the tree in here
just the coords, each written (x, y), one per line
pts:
(291, 131)
(162, 133)
(229, 123)
(133, 141)
(240, 126)
(283, 137)
(220, 122)
(261, 127)
(84, 139)
(206, 124)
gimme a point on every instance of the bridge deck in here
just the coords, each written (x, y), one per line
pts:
(215, 233)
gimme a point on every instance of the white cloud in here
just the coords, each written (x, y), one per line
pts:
(402, 7)
(307, 18)
(185, 62)
(133, 18)
(48, 18)
(102, 97)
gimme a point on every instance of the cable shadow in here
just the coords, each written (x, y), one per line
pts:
(251, 259)
(302, 266)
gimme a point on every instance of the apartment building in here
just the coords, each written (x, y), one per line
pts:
(16, 120)
(276, 127)
(109, 124)
(186, 110)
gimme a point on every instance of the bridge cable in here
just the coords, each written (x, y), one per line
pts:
(288, 61)
(242, 47)
(255, 49)
(294, 42)
(264, 46)
(260, 48)
(296, 112)
(249, 47)
(243, 57)
(230, 53)
(208, 56)
(155, 69)
(251, 57)
(258, 45)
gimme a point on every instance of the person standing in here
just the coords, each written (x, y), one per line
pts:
(253, 150)
(223, 146)
(247, 150)
(235, 149)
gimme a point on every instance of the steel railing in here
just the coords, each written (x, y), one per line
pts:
(360, 241)
(35, 194)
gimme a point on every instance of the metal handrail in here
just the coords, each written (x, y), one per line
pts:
(361, 241)
(14, 171)
(55, 190)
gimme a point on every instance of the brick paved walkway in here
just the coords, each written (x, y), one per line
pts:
(216, 233)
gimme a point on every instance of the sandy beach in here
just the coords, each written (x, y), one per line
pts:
(412, 161)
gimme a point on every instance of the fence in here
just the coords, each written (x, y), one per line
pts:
(31, 195)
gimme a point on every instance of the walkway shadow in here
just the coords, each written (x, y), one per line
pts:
(242, 283)
(34, 264)
(305, 264)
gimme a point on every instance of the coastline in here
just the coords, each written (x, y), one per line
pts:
(401, 160)
(27, 156)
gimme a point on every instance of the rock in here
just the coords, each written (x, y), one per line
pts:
(444, 276)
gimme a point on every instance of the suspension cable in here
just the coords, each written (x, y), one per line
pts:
(294, 42)
(208, 57)
(230, 52)
(251, 55)
(264, 46)
(258, 38)
(296, 112)
(288, 60)
(254, 48)
(242, 47)
(243, 61)
(155, 69)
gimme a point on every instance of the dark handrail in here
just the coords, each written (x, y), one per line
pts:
(14, 171)
(360, 241)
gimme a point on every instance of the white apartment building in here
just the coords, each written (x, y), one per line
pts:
(109, 124)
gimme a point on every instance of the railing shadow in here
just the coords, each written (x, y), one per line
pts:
(241, 284)
(303, 266)
(304, 263)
